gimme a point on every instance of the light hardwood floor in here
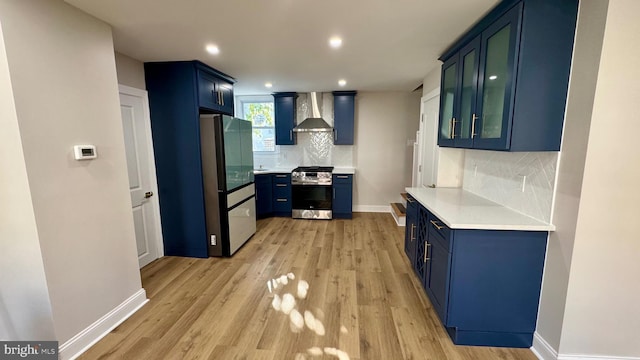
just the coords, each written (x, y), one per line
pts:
(361, 287)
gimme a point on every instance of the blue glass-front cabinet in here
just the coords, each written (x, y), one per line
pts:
(504, 83)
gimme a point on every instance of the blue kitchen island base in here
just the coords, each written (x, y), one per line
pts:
(486, 338)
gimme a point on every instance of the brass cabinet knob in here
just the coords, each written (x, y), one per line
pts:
(148, 194)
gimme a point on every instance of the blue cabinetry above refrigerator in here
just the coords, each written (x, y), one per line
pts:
(178, 96)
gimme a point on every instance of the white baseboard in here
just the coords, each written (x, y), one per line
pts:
(542, 349)
(594, 357)
(80, 343)
(372, 208)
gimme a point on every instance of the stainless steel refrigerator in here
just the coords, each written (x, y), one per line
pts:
(229, 189)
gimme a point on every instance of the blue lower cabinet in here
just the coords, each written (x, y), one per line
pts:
(483, 284)
(342, 196)
(411, 229)
(281, 194)
(264, 198)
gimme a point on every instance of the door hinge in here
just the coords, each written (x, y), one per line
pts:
(213, 240)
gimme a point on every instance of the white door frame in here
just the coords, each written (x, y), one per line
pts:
(154, 200)
(421, 146)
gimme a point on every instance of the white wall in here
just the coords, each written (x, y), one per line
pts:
(62, 68)
(25, 310)
(383, 122)
(602, 315)
(499, 176)
(130, 71)
(431, 80)
(584, 72)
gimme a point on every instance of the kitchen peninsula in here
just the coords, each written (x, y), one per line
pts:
(480, 264)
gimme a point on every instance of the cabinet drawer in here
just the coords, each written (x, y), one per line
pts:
(281, 178)
(281, 204)
(436, 239)
(438, 227)
(281, 192)
(342, 179)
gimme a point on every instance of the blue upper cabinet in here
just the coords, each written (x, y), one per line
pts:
(504, 83)
(215, 90)
(285, 117)
(343, 117)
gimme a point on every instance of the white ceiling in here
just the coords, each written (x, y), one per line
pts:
(388, 45)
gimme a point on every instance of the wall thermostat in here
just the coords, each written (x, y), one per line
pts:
(84, 152)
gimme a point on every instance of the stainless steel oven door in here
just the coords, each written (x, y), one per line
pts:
(312, 201)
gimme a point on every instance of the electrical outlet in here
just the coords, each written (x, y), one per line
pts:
(213, 240)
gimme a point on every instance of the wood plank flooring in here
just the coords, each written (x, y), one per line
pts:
(361, 288)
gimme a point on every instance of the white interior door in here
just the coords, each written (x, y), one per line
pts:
(428, 140)
(136, 126)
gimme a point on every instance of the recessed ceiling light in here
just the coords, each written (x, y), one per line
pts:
(268, 85)
(342, 82)
(213, 49)
(493, 77)
(335, 42)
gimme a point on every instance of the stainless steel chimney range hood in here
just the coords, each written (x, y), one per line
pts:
(315, 123)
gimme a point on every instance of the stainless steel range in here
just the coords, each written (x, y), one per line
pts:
(312, 194)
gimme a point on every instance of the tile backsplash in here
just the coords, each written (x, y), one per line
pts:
(311, 148)
(498, 176)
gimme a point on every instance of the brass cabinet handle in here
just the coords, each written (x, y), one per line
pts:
(426, 247)
(473, 125)
(413, 227)
(436, 225)
(148, 194)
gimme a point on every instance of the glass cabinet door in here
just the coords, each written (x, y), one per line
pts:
(464, 126)
(496, 85)
(448, 97)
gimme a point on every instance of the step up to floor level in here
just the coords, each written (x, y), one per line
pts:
(399, 213)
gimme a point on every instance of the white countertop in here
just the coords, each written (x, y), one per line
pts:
(344, 170)
(277, 170)
(460, 209)
(280, 170)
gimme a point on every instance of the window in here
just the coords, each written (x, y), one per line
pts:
(259, 110)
